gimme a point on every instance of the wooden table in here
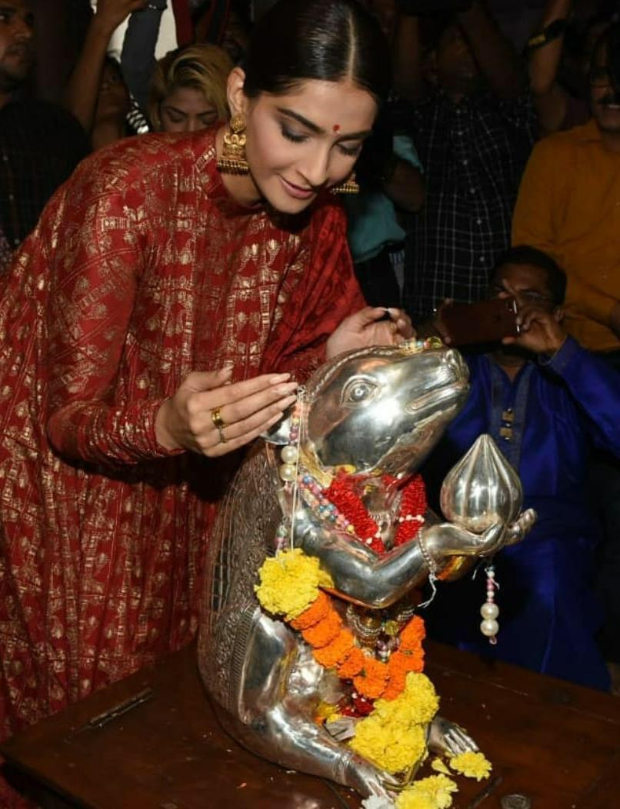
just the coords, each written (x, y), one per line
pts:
(557, 744)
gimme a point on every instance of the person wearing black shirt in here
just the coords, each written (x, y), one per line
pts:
(40, 143)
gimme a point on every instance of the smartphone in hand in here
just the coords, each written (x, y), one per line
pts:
(484, 322)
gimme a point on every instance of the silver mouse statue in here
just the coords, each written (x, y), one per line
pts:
(372, 415)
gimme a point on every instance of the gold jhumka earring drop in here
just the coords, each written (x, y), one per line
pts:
(233, 159)
(348, 186)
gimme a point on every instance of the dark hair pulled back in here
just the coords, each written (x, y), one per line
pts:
(327, 40)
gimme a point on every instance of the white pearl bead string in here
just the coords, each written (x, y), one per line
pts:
(290, 454)
(489, 611)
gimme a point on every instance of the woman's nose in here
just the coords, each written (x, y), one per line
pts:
(316, 169)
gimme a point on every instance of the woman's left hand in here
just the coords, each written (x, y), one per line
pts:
(370, 327)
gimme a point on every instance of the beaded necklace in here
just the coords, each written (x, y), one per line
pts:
(340, 500)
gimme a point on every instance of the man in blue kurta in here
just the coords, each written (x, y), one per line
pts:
(546, 402)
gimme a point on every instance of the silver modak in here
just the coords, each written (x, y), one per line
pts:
(373, 414)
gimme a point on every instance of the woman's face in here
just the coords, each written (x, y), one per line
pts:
(113, 100)
(186, 109)
(304, 141)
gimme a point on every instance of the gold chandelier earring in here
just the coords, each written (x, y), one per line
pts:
(233, 159)
(348, 186)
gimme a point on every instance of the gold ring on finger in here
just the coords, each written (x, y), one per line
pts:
(221, 432)
(216, 418)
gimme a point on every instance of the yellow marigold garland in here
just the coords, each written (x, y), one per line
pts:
(472, 765)
(434, 792)
(417, 705)
(393, 735)
(289, 583)
(393, 748)
(438, 765)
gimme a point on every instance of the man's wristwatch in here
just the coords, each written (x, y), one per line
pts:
(551, 32)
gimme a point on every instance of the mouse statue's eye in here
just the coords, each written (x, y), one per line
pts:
(359, 391)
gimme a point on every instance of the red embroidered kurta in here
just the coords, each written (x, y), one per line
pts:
(141, 270)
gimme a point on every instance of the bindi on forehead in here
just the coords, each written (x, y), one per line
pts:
(336, 129)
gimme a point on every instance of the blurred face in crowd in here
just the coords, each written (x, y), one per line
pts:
(528, 284)
(455, 67)
(604, 101)
(303, 141)
(16, 43)
(235, 37)
(186, 109)
(385, 12)
(113, 100)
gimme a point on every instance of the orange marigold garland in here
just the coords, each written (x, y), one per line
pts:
(352, 664)
(316, 612)
(396, 684)
(324, 631)
(335, 654)
(412, 635)
(373, 679)
(335, 647)
(406, 662)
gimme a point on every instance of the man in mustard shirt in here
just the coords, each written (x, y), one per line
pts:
(569, 206)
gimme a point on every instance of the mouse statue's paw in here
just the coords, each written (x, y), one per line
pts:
(447, 737)
(521, 527)
(369, 780)
(499, 535)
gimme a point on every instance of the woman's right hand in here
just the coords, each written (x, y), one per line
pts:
(246, 408)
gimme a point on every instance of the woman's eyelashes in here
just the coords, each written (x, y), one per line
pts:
(175, 117)
(298, 137)
(350, 151)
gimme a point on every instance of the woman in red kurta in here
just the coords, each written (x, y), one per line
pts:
(149, 272)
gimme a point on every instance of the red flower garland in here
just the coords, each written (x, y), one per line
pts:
(413, 504)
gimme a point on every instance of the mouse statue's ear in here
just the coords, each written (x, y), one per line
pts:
(280, 432)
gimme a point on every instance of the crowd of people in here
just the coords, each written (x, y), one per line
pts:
(164, 294)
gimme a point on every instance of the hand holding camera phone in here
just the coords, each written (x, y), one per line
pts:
(484, 322)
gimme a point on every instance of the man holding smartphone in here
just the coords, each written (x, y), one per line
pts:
(569, 206)
(547, 402)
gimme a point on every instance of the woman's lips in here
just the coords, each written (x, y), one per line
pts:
(296, 190)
